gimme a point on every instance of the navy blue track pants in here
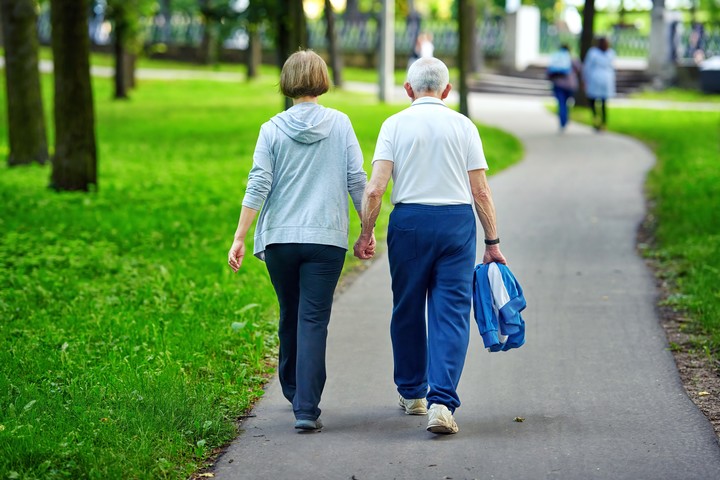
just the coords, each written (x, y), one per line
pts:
(431, 250)
(304, 276)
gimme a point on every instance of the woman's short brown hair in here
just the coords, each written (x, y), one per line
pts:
(304, 75)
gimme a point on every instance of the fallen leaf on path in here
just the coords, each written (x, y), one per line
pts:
(703, 394)
(519, 419)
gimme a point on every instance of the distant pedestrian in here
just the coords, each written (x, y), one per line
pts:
(427, 49)
(306, 162)
(435, 158)
(563, 72)
(599, 79)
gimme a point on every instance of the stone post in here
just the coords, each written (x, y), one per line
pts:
(660, 62)
(387, 50)
(522, 38)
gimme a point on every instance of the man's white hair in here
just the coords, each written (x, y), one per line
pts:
(428, 74)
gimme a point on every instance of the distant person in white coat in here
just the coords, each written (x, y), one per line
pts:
(599, 78)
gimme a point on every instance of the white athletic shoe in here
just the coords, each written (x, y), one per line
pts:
(440, 420)
(414, 406)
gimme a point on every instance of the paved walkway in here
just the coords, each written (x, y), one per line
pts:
(595, 383)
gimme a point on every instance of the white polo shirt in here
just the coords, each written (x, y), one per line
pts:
(432, 148)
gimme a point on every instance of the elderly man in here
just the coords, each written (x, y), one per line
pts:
(436, 160)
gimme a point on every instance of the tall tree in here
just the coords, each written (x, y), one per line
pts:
(165, 12)
(333, 51)
(257, 13)
(75, 160)
(208, 53)
(352, 10)
(120, 12)
(466, 48)
(127, 39)
(586, 40)
(26, 119)
(254, 51)
(588, 27)
(291, 31)
(218, 18)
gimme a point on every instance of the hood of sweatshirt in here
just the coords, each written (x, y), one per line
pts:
(305, 122)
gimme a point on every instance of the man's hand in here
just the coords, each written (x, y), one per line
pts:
(493, 254)
(236, 255)
(364, 248)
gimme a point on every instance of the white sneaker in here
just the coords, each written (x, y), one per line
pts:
(414, 406)
(440, 420)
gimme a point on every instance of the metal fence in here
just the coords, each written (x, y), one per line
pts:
(628, 42)
(362, 37)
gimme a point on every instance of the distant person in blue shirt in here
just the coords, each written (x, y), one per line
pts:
(599, 78)
(563, 72)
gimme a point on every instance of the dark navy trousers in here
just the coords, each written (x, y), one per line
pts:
(562, 95)
(304, 276)
(431, 250)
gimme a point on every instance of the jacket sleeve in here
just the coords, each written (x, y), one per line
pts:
(510, 317)
(485, 316)
(261, 174)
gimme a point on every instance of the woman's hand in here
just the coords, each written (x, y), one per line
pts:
(236, 255)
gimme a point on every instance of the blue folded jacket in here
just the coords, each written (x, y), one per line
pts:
(497, 301)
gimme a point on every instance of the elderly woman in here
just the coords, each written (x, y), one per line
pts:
(306, 161)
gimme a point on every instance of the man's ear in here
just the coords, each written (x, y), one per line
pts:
(409, 90)
(446, 92)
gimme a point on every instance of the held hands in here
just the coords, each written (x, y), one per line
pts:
(364, 248)
(236, 255)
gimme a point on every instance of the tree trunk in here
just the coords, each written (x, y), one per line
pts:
(335, 59)
(586, 40)
(588, 27)
(254, 52)
(121, 85)
(352, 11)
(75, 160)
(466, 46)
(299, 26)
(166, 14)
(130, 64)
(26, 119)
(209, 45)
(292, 33)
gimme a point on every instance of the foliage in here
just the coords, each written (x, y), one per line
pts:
(684, 187)
(128, 13)
(129, 348)
(189, 7)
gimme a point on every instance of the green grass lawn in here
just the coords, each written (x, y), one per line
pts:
(684, 189)
(678, 95)
(129, 349)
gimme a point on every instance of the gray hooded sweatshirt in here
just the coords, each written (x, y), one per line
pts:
(306, 161)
